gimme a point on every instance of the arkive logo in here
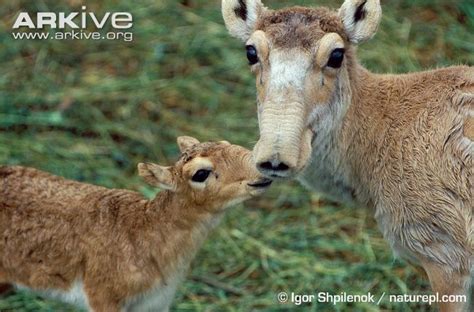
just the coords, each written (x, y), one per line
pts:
(76, 22)
(119, 20)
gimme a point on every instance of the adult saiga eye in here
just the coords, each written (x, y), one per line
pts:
(201, 175)
(336, 58)
(252, 54)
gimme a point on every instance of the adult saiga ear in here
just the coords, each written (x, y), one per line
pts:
(241, 16)
(361, 19)
(158, 176)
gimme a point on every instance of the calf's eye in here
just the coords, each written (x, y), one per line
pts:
(336, 58)
(252, 55)
(201, 175)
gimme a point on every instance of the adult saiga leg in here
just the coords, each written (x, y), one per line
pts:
(447, 281)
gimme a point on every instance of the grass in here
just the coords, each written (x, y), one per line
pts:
(91, 110)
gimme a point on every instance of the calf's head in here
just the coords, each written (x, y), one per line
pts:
(214, 175)
(302, 58)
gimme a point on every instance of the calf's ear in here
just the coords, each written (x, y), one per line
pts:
(158, 176)
(185, 142)
(361, 19)
(241, 16)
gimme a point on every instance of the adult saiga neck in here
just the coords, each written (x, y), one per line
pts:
(328, 171)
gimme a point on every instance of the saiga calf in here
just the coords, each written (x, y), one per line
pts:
(113, 250)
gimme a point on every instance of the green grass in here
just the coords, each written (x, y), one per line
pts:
(91, 110)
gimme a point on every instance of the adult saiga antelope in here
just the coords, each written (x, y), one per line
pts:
(401, 144)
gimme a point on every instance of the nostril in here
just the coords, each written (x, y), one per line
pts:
(267, 165)
(281, 167)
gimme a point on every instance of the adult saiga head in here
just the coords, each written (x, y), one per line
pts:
(302, 59)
